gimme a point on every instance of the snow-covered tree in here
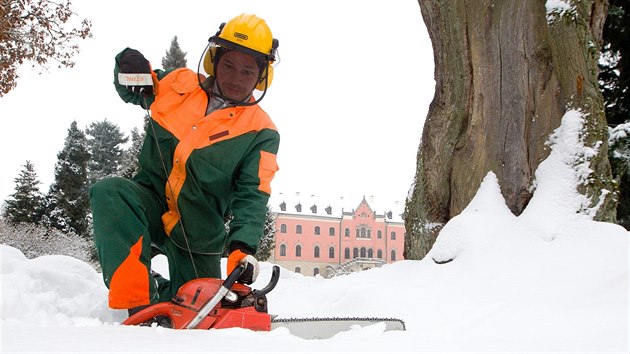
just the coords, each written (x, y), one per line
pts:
(67, 203)
(105, 142)
(26, 204)
(129, 162)
(174, 57)
(614, 81)
(268, 242)
(36, 240)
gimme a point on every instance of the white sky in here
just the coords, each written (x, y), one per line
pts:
(349, 96)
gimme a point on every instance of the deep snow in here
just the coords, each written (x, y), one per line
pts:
(550, 280)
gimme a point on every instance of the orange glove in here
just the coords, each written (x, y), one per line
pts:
(251, 271)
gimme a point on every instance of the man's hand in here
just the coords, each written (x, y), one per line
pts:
(252, 269)
(135, 72)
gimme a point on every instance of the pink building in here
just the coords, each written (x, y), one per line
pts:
(327, 239)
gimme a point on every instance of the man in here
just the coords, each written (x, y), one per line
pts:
(209, 153)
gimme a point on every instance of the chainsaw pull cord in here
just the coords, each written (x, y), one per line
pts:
(168, 182)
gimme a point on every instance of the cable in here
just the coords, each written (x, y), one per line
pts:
(168, 183)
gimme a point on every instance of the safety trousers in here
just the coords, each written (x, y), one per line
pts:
(127, 221)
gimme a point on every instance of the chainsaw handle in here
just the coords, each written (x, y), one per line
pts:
(275, 275)
(233, 277)
(223, 290)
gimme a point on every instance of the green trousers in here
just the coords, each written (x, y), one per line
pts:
(127, 221)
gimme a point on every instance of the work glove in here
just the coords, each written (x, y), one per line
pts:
(252, 269)
(133, 62)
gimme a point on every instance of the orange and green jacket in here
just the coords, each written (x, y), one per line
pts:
(216, 164)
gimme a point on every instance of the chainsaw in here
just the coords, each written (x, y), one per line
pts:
(210, 303)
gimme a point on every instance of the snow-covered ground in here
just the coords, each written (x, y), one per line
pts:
(550, 280)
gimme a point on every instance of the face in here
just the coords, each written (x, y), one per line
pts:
(237, 75)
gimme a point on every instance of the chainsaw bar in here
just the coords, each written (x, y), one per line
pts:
(326, 327)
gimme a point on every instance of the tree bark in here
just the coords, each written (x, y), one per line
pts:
(504, 78)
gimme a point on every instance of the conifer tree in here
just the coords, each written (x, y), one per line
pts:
(26, 204)
(67, 201)
(267, 243)
(614, 80)
(104, 141)
(129, 164)
(174, 57)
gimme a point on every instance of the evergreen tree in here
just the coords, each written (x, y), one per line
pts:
(104, 141)
(268, 241)
(26, 204)
(129, 164)
(614, 78)
(614, 66)
(174, 57)
(67, 201)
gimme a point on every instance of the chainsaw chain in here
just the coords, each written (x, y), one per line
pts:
(350, 319)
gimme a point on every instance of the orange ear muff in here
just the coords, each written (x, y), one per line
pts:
(265, 79)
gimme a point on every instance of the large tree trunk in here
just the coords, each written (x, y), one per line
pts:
(504, 78)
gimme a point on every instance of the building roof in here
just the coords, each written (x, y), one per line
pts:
(307, 204)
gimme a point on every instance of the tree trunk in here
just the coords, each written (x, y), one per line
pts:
(504, 78)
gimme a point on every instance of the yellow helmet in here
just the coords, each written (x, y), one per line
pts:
(248, 34)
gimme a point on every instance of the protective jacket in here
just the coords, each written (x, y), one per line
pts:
(217, 165)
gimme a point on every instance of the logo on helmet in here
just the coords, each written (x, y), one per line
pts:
(240, 36)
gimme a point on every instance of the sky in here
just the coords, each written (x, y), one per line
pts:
(550, 280)
(349, 95)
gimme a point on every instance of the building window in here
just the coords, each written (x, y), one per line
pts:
(346, 253)
(393, 257)
(357, 233)
(298, 270)
(331, 252)
(379, 254)
(379, 234)
(347, 233)
(369, 233)
(316, 252)
(315, 271)
(298, 229)
(363, 252)
(317, 230)
(363, 232)
(298, 251)
(283, 228)
(331, 231)
(370, 253)
(355, 253)
(283, 250)
(393, 235)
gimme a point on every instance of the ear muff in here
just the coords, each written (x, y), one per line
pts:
(265, 79)
(208, 61)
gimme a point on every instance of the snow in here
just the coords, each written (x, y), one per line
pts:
(559, 8)
(549, 280)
